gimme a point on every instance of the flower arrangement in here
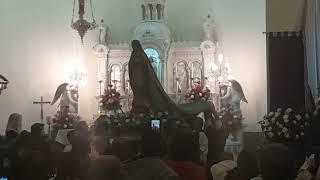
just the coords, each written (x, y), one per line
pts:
(198, 92)
(314, 119)
(135, 121)
(284, 126)
(110, 99)
(231, 120)
(61, 121)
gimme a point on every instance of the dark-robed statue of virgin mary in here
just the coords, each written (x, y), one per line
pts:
(149, 95)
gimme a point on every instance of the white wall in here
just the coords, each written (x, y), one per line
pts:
(36, 40)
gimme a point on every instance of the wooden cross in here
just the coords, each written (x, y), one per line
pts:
(41, 102)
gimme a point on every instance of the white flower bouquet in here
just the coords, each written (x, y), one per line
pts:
(284, 126)
(198, 92)
(135, 121)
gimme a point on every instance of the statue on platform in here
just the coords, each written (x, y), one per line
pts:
(68, 95)
(103, 33)
(232, 96)
(149, 95)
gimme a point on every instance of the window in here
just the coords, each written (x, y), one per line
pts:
(181, 77)
(153, 55)
(116, 76)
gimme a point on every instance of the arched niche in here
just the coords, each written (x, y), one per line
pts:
(126, 80)
(180, 73)
(154, 57)
(195, 72)
(115, 76)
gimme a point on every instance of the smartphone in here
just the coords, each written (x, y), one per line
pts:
(155, 124)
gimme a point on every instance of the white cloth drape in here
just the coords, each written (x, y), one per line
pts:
(312, 44)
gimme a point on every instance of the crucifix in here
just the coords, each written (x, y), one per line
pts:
(41, 102)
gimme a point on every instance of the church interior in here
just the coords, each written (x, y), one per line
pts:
(112, 83)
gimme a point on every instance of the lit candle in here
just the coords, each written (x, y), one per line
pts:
(220, 58)
(192, 71)
(215, 67)
(230, 77)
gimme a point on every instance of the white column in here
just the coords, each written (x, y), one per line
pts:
(102, 74)
(101, 52)
(143, 10)
(162, 12)
(147, 15)
(154, 12)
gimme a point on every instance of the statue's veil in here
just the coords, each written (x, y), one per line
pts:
(144, 79)
(149, 93)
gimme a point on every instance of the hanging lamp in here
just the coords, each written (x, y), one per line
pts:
(82, 25)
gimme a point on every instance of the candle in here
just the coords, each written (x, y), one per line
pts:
(220, 58)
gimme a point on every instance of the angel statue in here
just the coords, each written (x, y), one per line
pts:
(232, 95)
(69, 97)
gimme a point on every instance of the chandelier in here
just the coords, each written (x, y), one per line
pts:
(3, 83)
(75, 72)
(220, 71)
(82, 25)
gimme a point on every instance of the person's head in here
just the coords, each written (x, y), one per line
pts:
(82, 128)
(11, 135)
(276, 163)
(100, 144)
(226, 156)
(24, 135)
(247, 165)
(105, 167)
(183, 146)
(124, 148)
(14, 122)
(37, 129)
(151, 143)
(198, 124)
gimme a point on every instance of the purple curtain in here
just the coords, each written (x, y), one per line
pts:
(286, 70)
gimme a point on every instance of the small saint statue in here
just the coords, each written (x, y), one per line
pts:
(103, 33)
(208, 28)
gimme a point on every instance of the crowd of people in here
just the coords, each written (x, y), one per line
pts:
(178, 154)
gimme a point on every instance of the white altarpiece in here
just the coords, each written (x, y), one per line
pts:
(178, 64)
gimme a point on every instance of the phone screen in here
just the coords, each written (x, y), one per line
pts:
(155, 124)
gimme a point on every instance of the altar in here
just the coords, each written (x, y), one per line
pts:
(177, 64)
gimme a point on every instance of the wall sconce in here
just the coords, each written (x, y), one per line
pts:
(3, 83)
